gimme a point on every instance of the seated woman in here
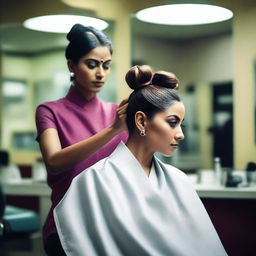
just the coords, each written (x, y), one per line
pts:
(131, 203)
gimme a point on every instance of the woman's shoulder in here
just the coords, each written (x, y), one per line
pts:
(50, 106)
(91, 173)
(172, 170)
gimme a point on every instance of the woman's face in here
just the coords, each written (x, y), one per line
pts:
(92, 70)
(164, 131)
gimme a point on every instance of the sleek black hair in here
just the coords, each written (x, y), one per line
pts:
(153, 92)
(83, 39)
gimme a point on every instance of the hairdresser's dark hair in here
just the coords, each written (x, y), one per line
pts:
(153, 92)
(83, 39)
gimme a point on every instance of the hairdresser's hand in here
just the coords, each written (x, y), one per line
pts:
(120, 120)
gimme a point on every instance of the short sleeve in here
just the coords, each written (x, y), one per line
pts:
(44, 119)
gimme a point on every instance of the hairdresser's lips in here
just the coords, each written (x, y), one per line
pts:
(98, 84)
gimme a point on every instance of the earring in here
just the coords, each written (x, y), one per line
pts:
(72, 75)
(142, 133)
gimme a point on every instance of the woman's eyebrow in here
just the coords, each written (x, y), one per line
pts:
(174, 116)
(177, 117)
(98, 61)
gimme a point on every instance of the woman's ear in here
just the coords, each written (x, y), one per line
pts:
(70, 64)
(140, 120)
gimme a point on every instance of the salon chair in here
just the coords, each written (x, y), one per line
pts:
(15, 221)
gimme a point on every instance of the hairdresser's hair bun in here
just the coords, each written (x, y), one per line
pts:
(76, 32)
(139, 76)
(165, 79)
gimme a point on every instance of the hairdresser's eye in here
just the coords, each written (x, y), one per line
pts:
(106, 65)
(91, 64)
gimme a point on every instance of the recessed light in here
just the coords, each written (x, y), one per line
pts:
(184, 14)
(62, 23)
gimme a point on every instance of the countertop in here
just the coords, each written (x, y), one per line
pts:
(212, 191)
(30, 187)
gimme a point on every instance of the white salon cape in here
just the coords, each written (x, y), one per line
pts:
(114, 209)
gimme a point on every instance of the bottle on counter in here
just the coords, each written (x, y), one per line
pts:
(217, 171)
(251, 173)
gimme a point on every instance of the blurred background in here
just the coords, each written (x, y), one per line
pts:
(216, 65)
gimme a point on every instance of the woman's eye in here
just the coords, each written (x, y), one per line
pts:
(172, 123)
(106, 67)
(91, 65)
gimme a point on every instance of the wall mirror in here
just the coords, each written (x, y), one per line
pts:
(201, 56)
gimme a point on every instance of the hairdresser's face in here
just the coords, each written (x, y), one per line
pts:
(164, 131)
(92, 71)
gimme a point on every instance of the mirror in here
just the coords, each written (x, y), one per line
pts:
(201, 56)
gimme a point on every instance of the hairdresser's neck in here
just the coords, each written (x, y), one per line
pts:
(139, 148)
(86, 94)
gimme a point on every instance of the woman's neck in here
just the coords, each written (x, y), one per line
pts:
(85, 94)
(139, 150)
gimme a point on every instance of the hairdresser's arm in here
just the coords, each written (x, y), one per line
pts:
(59, 159)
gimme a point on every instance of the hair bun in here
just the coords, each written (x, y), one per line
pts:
(165, 79)
(75, 32)
(139, 76)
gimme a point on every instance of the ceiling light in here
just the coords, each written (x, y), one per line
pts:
(184, 14)
(62, 23)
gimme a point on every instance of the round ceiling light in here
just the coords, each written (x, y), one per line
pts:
(62, 23)
(184, 14)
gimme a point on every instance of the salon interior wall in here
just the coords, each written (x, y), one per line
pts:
(201, 63)
(243, 53)
(234, 56)
(40, 70)
(244, 82)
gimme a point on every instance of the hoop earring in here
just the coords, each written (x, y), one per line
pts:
(142, 133)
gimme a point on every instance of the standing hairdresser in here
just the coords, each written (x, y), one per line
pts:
(78, 130)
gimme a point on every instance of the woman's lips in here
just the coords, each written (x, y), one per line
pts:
(98, 84)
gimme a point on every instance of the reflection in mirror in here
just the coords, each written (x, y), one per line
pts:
(34, 70)
(201, 57)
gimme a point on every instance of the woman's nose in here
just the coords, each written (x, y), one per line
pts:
(100, 73)
(180, 134)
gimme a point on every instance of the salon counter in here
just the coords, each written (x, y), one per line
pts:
(211, 191)
(27, 187)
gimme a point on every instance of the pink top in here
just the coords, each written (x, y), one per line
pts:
(75, 120)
